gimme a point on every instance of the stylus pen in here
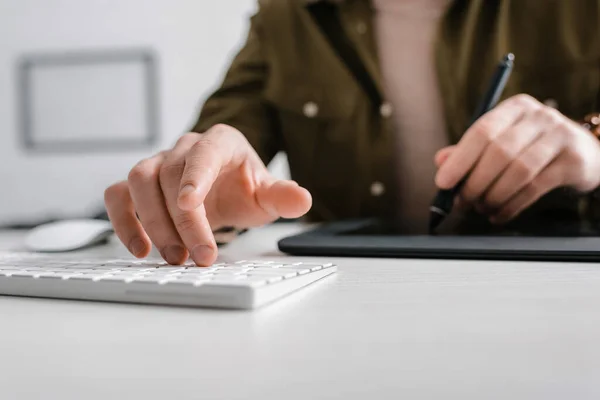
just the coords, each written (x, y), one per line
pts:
(444, 200)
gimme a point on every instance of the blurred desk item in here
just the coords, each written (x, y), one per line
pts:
(387, 329)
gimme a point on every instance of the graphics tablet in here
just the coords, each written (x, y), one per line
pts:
(550, 241)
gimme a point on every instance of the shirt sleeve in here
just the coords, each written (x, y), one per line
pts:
(239, 101)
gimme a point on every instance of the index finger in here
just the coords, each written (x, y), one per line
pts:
(218, 149)
(484, 131)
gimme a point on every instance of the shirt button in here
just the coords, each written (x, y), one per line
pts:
(310, 109)
(552, 103)
(386, 110)
(377, 189)
(361, 28)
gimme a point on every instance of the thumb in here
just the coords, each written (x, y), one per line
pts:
(284, 198)
(442, 155)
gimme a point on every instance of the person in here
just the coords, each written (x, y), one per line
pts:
(370, 99)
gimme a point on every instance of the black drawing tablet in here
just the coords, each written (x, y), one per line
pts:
(552, 240)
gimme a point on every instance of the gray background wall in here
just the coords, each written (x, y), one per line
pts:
(194, 41)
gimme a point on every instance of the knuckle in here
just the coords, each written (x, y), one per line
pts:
(184, 224)
(545, 182)
(113, 194)
(492, 201)
(205, 144)
(202, 150)
(502, 151)
(205, 147)
(187, 138)
(194, 171)
(469, 193)
(142, 172)
(577, 156)
(222, 129)
(536, 186)
(522, 170)
(525, 100)
(549, 114)
(484, 130)
(223, 132)
(561, 126)
(152, 225)
(577, 162)
(170, 173)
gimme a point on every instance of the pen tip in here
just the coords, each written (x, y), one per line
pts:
(435, 219)
(509, 57)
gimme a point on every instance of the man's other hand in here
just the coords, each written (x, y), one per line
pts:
(515, 154)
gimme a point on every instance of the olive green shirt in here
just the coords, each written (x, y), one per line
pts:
(289, 90)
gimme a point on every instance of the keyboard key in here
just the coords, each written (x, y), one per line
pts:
(301, 270)
(234, 269)
(263, 265)
(169, 269)
(51, 276)
(83, 277)
(137, 268)
(311, 264)
(229, 277)
(251, 282)
(269, 279)
(213, 268)
(149, 279)
(197, 271)
(287, 274)
(80, 271)
(184, 282)
(24, 274)
(90, 276)
(125, 279)
(82, 266)
(201, 276)
(225, 274)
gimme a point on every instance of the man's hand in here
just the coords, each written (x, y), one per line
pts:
(207, 181)
(515, 154)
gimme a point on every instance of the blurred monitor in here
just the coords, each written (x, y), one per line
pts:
(89, 101)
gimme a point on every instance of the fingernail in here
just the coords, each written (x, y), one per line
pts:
(201, 253)
(173, 254)
(187, 190)
(137, 247)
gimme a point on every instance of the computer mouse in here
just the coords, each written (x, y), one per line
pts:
(68, 235)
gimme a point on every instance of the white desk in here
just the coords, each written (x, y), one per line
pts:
(397, 329)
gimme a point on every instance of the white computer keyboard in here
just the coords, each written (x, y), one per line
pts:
(243, 284)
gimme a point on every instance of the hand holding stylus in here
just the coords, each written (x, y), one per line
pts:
(517, 153)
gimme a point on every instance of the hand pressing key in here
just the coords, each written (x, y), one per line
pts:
(177, 198)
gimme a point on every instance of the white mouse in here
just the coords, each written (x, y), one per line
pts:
(68, 235)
